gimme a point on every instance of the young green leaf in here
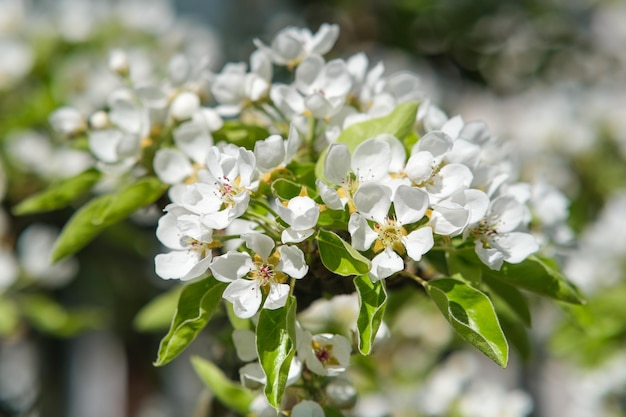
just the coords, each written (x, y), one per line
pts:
(276, 346)
(285, 189)
(472, 315)
(372, 302)
(512, 297)
(157, 314)
(398, 123)
(104, 211)
(9, 316)
(231, 394)
(465, 262)
(58, 195)
(196, 305)
(540, 276)
(339, 256)
(240, 134)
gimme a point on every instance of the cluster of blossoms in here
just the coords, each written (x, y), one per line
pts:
(336, 173)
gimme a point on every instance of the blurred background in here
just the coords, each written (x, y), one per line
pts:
(548, 77)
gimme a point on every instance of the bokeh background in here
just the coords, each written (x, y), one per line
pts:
(548, 77)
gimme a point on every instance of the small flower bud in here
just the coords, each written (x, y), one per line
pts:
(184, 106)
(118, 62)
(99, 120)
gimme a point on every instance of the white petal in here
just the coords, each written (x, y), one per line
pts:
(329, 196)
(171, 166)
(396, 148)
(373, 200)
(371, 159)
(515, 246)
(167, 231)
(231, 266)
(194, 140)
(292, 261)
(419, 168)
(246, 297)
(324, 39)
(436, 142)
(293, 143)
(277, 296)
(261, 244)
(491, 257)
(307, 408)
(305, 213)
(448, 218)
(385, 264)
(362, 235)
(450, 179)
(290, 235)
(269, 153)
(476, 202)
(337, 163)
(418, 242)
(509, 213)
(410, 204)
(103, 144)
(180, 265)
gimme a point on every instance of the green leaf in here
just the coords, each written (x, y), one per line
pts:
(276, 346)
(50, 317)
(240, 134)
(540, 276)
(466, 263)
(372, 302)
(512, 297)
(339, 256)
(398, 123)
(472, 315)
(58, 195)
(104, 211)
(157, 314)
(516, 333)
(231, 394)
(196, 305)
(285, 189)
(9, 316)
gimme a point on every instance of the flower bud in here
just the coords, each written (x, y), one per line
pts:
(99, 120)
(118, 62)
(184, 106)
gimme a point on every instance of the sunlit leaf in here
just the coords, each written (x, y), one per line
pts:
(339, 256)
(372, 302)
(276, 346)
(472, 315)
(398, 123)
(58, 195)
(157, 314)
(230, 393)
(104, 211)
(196, 305)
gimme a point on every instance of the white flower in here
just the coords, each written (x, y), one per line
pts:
(191, 243)
(307, 408)
(184, 105)
(268, 272)
(497, 235)
(301, 213)
(450, 216)
(373, 201)
(323, 354)
(67, 121)
(274, 152)
(291, 45)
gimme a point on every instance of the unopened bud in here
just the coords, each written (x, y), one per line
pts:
(99, 120)
(184, 106)
(118, 62)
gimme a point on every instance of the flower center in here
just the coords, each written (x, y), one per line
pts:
(324, 353)
(203, 249)
(265, 271)
(390, 234)
(229, 189)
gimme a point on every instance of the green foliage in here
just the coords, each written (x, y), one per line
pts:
(285, 189)
(157, 314)
(538, 275)
(399, 123)
(48, 316)
(472, 315)
(276, 346)
(9, 316)
(196, 305)
(58, 195)
(104, 211)
(372, 302)
(240, 134)
(339, 256)
(231, 394)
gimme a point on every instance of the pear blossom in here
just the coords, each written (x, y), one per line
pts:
(498, 236)
(301, 213)
(291, 45)
(370, 161)
(373, 202)
(307, 408)
(190, 242)
(451, 216)
(274, 152)
(323, 354)
(267, 271)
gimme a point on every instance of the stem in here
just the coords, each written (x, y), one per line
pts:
(415, 278)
